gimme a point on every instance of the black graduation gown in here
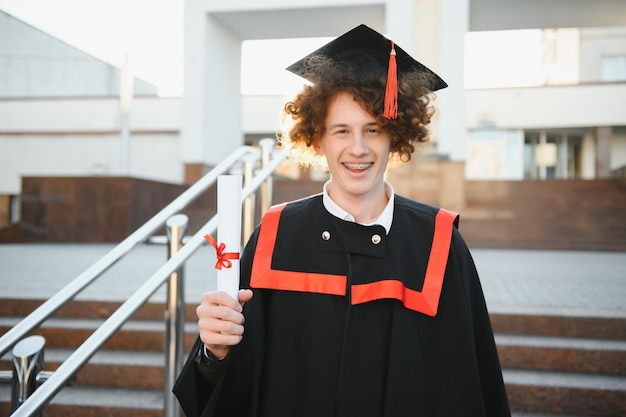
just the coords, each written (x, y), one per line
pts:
(343, 322)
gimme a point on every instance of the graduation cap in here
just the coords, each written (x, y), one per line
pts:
(370, 54)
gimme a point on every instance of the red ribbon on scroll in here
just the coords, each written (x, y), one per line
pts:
(223, 258)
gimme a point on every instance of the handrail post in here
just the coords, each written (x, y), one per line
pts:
(174, 315)
(70, 366)
(249, 162)
(266, 145)
(27, 364)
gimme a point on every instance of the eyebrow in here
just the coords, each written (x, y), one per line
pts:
(336, 125)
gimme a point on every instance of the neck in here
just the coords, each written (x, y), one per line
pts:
(364, 209)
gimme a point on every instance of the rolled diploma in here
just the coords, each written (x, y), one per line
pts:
(229, 230)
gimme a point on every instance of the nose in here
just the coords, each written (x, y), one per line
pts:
(358, 146)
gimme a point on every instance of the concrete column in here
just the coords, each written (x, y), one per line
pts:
(604, 137)
(588, 159)
(400, 27)
(418, 26)
(192, 101)
(453, 24)
(426, 34)
(211, 105)
(414, 25)
(433, 31)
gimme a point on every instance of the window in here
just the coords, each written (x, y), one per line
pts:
(552, 155)
(613, 68)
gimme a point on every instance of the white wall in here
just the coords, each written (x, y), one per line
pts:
(36, 64)
(81, 137)
(596, 43)
(547, 107)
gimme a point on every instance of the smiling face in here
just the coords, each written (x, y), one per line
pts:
(357, 152)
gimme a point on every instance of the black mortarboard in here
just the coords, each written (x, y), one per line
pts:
(368, 54)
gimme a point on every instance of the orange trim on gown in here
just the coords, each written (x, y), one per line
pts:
(425, 301)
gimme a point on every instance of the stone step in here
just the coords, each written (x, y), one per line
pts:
(87, 309)
(144, 369)
(554, 365)
(566, 393)
(92, 401)
(145, 336)
(525, 414)
(531, 394)
(591, 356)
(110, 368)
(598, 326)
(566, 325)
(515, 351)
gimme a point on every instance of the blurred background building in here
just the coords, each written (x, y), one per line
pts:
(66, 114)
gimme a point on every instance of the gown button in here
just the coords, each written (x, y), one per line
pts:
(326, 235)
(376, 239)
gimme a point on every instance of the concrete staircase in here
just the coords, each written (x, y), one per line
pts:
(553, 366)
(563, 365)
(123, 379)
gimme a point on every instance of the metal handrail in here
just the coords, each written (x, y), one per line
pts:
(67, 293)
(99, 337)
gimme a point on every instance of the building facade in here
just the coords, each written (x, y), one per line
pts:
(572, 124)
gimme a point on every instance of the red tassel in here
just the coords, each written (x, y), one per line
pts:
(391, 93)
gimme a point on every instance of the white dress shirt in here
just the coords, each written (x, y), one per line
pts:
(385, 219)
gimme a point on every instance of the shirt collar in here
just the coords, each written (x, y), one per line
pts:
(385, 219)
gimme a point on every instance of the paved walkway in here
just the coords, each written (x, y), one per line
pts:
(513, 280)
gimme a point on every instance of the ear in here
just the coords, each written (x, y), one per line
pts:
(317, 146)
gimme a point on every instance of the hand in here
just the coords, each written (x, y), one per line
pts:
(220, 320)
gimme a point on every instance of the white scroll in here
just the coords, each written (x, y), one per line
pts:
(228, 244)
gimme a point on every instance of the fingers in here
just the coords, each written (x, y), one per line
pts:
(245, 296)
(212, 336)
(220, 298)
(220, 320)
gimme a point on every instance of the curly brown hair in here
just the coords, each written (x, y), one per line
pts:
(308, 110)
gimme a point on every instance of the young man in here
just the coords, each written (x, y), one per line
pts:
(365, 303)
